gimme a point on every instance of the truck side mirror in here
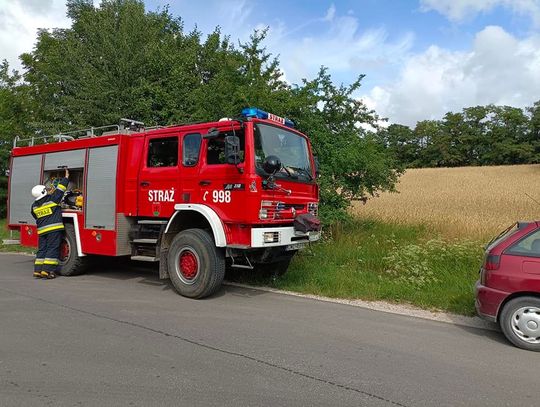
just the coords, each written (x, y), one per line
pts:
(316, 161)
(232, 150)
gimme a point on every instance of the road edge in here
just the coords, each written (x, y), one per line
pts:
(383, 306)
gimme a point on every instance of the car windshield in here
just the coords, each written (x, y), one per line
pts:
(291, 149)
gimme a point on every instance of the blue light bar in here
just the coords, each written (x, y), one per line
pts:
(261, 114)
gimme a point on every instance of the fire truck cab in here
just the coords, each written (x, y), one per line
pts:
(193, 197)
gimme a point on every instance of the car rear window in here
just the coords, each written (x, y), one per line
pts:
(528, 246)
(506, 233)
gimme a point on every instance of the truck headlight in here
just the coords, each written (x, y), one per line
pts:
(271, 237)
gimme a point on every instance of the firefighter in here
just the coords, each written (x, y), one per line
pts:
(47, 212)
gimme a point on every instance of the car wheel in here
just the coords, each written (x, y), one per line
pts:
(196, 265)
(520, 322)
(71, 264)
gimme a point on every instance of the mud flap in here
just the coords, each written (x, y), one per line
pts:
(163, 265)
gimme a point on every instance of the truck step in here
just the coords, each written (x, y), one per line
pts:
(242, 266)
(145, 258)
(145, 241)
(11, 241)
(152, 222)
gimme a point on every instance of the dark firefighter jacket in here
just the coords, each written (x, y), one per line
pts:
(47, 212)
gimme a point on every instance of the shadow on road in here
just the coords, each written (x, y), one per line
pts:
(148, 274)
(124, 269)
(496, 336)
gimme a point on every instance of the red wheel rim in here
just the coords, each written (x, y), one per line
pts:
(64, 250)
(189, 266)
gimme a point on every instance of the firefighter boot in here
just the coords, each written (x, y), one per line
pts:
(48, 275)
(38, 266)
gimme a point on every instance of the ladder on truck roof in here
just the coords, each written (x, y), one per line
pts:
(126, 126)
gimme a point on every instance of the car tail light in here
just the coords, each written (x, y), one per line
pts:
(491, 262)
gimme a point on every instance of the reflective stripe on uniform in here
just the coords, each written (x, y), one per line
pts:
(49, 228)
(61, 187)
(46, 205)
(39, 261)
(53, 262)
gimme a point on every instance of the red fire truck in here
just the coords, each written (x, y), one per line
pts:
(238, 192)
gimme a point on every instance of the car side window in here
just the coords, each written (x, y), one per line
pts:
(163, 152)
(528, 246)
(191, 147)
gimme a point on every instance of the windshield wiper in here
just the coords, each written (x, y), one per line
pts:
(303, 171)
(288, 171)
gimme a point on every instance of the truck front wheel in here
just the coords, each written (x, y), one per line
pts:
(71, 264)
(196, 265)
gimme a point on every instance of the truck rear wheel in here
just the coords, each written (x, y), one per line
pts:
(71, 264)
(196, 265)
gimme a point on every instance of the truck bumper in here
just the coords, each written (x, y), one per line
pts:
(281, 236)
(488, 301)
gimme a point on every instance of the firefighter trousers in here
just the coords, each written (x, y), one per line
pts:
(47, 256)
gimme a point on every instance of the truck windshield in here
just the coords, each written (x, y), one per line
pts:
(291, 149)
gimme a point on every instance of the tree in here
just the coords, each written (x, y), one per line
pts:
(354, 163)
(403, 143)
(118, 60)
(13, 112)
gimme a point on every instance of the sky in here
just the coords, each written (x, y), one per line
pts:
(421, 58)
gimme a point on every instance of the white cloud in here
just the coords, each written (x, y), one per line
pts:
(460, 10)
(499, 69)
(330, 13)
(337, 42)
(20, 21)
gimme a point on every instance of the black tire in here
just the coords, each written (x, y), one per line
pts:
(195, 246)
(73, 265)
(520, 322)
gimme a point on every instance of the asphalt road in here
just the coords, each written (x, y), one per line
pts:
(120, 336)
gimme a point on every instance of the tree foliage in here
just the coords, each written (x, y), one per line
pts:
(119, 60)
(480, 135)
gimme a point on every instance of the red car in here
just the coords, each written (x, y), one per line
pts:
(508, 291)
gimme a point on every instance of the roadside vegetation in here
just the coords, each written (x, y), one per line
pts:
(422, 245)
(373, 260)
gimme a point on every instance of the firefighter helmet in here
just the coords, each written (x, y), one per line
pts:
(39, 191)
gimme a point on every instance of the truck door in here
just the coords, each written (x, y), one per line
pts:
(159, 176)
(222, 186)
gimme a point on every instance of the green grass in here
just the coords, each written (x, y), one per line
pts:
(371, 260)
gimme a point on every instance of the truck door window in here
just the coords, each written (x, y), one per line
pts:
(191, 147)
(163, 152)
(215, 152)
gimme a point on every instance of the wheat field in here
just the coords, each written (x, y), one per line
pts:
(464, 202)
